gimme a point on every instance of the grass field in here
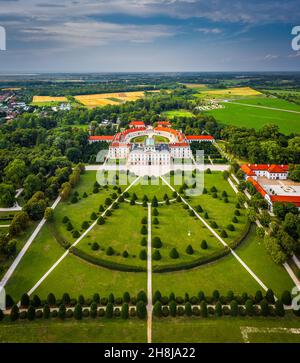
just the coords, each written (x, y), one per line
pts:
(177, 229)
(254, 117)
(227, 330)
(271, 102)
(121, 231)
(157, 139)
(177, 113)
(72, 331)
(154, 187)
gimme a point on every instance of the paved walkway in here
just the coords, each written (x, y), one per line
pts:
(265, 107)
(16, 207)
(75, 243)
(292, 275)
(149, 278)
(14, 265)
(222, 241)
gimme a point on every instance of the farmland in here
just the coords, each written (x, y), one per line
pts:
(236, 92)
(104, 99)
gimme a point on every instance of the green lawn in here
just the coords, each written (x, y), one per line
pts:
(88, 330)
(224, 274)
(226, 330)
(77, 277)
(271, 102)
(177, 113)
(177, 229)
(121, 231)
(253, 117)
(218, 211)
(254, 254)
(82, 210)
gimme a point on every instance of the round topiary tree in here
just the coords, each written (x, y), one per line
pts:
(75, 234)
(286, 298)
(204, 244)
(203, 309)
(258, 296)
(25, 301)
(14, 313)
(224, 234)
(155, 221)
(173, 308)
(154, 202)
(101, 208)
(65, 219)
(156, 242)
(46, 311)
(144, 242)
(95, 246)
(188, 309)
(125, 311)
(199, 209)
(231, 227)
(279, 308)
(234, 308)
(157, 309)
(100, 220)
(218, 309)
(206, 216)
(155, 212)
(125, 254)
(270, 296)
(143, 255)
(156, 296)
(249, 307)
(144, 230)
(110, 251)
(156, 255)
(235, 220)
(237, 213)
(31, 313)
(85, 225)
(141, 311)
(174, 253)
(93, 216)
(109, 311)
(189, 250)
(78, 312)
(144, 220)
(264, 307)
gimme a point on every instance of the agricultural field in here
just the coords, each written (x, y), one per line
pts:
(228, 93)
(47, 100)
(255, 117)
(103, 99)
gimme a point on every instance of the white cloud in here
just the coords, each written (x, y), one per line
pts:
(210, 30)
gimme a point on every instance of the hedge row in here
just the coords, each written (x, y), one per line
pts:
(104, 263)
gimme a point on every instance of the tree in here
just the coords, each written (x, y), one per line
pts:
(14, 313)
(25, 300)
(96, 298)
(93, 311)
(155, 212)
(174, 253)
(264, 307)
(189, 250)
(31, 312)
(110, 251)
(188, 309)
(157, 242)
(155, 221)
(7, 195)
(32, 184)
(100, 220)
(66, 299)
(109, 310)
(19, 223)
(95, 246)
(78, 312)
(249, 307)
(125, 311)
(157, 309)
(9, 302)
(141, 310)
(203, 309)
(15, 172)
(49, 213)
(216, 295)
(46, 311)
(111, 298)
(144, 230)
(173, 308)
(218, 309)
(154, 202)
(286, 298)
(36, 206)
(144, 220)
(234, 308)
(279, 308)
(270, 296)
(156, 296)
(204, 244)
(144, 242)
(156, 255)
(36, 301)
(126, 297)
(143, 255)
(51, 299)
(142, 296)
(62, 311)
(73, 154)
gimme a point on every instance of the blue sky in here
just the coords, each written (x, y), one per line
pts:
(148, 35)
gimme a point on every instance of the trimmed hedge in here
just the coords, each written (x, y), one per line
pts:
(104, 263)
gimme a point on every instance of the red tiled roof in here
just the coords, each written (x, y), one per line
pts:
(199, 137)
(286, 199)
(170, 131)
(164, 123)
(176, 144)
(101, 138)
(257, 186)
(137, 123)
(273, 168)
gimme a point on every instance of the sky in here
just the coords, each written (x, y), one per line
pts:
(148, 35)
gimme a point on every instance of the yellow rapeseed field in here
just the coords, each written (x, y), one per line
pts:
(237, 91)
(42, 99)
